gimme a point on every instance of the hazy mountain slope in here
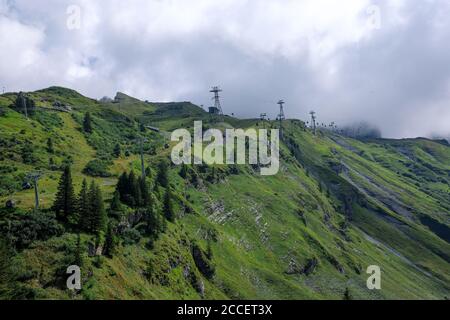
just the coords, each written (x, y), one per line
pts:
(337, 206)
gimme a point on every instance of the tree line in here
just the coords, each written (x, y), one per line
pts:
(86, 212)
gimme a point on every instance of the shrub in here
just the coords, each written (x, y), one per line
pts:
(98, 168)
(10, 183)
(131, 236)
(27, 154)
(26, 228)
(203, 263)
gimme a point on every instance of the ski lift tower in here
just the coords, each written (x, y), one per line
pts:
(216, 90)
(281, 116)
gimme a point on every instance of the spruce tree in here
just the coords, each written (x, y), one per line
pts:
(110, 241)
(78, 259)
(169, 212)
(84, 212)
(24, 104)
(154, 222)
(99, 218)
(87, 123)
(134, 190)
(122, 187)
(145, 193)
(163, 174)
(31, 106)
(115, 207)
(115, 202)
(92, 201)
(65, 202)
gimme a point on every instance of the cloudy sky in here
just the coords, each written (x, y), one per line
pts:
(383, 61)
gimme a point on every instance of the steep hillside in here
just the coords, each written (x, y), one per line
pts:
(337, 206)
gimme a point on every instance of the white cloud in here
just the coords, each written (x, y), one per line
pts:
(319, 54)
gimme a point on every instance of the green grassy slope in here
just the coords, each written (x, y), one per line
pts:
(337, 206)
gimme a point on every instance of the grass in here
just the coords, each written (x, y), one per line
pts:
(261, 230)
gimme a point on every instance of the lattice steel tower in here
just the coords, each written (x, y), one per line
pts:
(313, 121)
(216, 99)
(281, 116)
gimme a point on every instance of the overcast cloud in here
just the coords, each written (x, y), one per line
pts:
(387, 61)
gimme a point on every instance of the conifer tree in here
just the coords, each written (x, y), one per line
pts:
(24, 104)
(145, 193)
(98, 212)
(84, 212)
(122, 186)
(92, 193)
(163, 174)
(115, 207)
(110, 241)
(169, 212)
(87, 123)
(133, 190)
(115, 202)
(154, 222)
(65, 202)
(78, 261)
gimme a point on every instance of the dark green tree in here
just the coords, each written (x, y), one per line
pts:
(163, 174)
(24, 104)
(78, 259)
(145, 193)
(154, 222)
(134, 190)
(168, 209)
(87, 123)
(50, 148)
(117, 150)
(83, 208)
(122, 187)
(110, 241)
(98, 212)
(115, 202)
(115, 207)
(65, 202)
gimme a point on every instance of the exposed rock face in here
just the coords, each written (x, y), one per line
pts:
(202, 262)
(217, 213)
(201, 288)
(310, 266)
(99, 250)
(307, 269)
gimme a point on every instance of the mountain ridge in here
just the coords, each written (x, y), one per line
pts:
(337, 206)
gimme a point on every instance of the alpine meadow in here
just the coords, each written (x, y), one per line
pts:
(337, 206)
(208, 159)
